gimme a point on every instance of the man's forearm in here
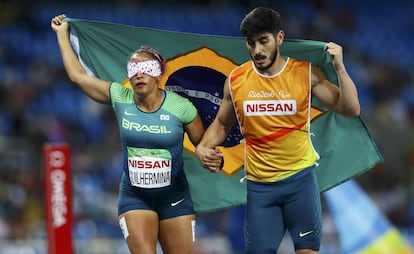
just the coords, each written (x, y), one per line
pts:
(214, 135)
(348, 94)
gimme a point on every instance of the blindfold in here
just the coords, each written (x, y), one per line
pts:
(149, 67)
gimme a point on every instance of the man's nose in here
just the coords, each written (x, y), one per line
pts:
(257, 49)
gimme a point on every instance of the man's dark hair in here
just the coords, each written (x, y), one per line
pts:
(259, 20)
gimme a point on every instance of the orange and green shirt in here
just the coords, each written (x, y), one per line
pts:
(274, 116)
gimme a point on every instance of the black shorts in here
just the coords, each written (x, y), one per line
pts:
(291, 204)
(168, 202)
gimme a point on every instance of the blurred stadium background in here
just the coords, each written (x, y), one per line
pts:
(39, 104)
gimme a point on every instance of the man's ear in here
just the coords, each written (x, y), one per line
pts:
(280, 36)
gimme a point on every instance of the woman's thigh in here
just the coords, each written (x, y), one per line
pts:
(177, 235)
(140, 229)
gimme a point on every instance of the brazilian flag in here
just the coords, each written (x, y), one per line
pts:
(197, 68)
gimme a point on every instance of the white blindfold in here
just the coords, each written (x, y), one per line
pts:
(149, 67)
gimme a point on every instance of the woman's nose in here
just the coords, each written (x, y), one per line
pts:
(139, 74)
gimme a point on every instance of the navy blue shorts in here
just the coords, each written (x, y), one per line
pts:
(168, 202)
(292, 204)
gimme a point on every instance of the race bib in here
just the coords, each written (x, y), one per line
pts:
(149, 168)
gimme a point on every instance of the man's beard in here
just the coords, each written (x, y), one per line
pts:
(272, 61)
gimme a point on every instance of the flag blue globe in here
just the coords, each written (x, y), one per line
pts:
(203, 86)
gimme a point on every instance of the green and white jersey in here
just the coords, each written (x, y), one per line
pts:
(152, 143)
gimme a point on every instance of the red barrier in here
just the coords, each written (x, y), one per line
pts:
(58, 198)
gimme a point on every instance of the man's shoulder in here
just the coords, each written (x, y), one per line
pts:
(294, 63)
(236, 72)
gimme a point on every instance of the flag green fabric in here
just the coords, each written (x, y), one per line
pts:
(197, 67)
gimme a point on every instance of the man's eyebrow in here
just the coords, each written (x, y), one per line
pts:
(264, 36)
(261, 37)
